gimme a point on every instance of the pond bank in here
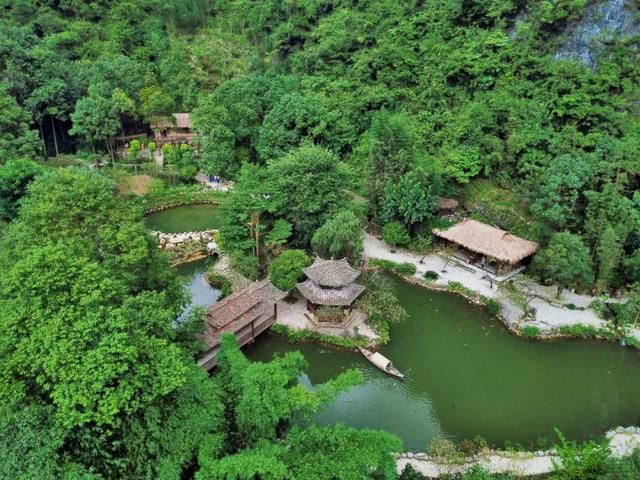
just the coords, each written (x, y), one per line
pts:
(622, 443)
(552, 319)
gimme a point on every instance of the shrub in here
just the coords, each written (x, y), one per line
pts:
(492, 307)
(409, 473)
(580, 461)
(286, 270)
(579, 330)
(431, 275)
(404, 268)
(395, 234)
(530, 331)
(220, 282)
(444, 450)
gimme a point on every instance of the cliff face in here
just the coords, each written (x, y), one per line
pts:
(601, 22)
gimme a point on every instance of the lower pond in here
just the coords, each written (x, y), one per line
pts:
(187, 218)
(466, 375)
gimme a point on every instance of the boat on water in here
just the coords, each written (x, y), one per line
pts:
(381, 362)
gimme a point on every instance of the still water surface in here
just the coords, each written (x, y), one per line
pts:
(467, 376)
(188, 218)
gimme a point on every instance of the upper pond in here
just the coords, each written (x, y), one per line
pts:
(187, 218)
(467, 375)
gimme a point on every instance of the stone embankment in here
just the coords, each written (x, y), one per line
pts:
(171, 241)
(622, 443)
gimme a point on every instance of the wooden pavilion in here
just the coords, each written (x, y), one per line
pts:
(330, 283)
(174, 130)
(246, 313)
(488, 247)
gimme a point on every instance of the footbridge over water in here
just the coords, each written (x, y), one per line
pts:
(245, 313)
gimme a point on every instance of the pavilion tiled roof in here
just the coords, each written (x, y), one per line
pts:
(331, 273)
(341, 296)
(240, 308)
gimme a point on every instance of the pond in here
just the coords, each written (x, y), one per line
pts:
(202, 294)
(467, 375)
(187, 218)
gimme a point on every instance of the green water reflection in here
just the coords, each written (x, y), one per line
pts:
(468, 376)
(188, 218)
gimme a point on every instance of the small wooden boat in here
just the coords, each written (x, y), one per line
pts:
(380, 361)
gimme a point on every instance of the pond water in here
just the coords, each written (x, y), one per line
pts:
(202, 294)
(187, 218)
(467, 376)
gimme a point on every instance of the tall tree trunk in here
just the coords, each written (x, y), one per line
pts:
(44, 145)
(257, 224)
(55, 139)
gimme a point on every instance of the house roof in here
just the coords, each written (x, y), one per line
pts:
(180, 120)
(240, 308)
(487, 240)
(447, 203)
(331, 273)
(341, 296)
(183, 120)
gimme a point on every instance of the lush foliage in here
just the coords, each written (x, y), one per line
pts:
(395, 234)
(565, 260)
(15, 177)
(341, 236)
(286, 270)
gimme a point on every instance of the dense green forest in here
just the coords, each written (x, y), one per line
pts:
(327, 114)
(415, 100)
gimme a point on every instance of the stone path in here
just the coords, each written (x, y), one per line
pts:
(293, 315)
(622, 443)
(550, 313)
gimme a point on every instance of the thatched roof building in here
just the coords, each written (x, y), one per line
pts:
(246, 313)
(489, 241)
(330, 282)
(179, 120)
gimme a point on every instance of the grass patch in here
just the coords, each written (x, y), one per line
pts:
(492, 203)
(220, 282)
(405, 268)
(305, 335)
(136, 184)
(530, 331)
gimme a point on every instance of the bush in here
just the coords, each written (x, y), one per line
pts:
(245, 265)
(445, 451)
(492, 307)
(395, 234)
(409, 473)
(220, 282)
(286, 270)
(405, 268)
(431, 275)
(530, 331)
(579, 330)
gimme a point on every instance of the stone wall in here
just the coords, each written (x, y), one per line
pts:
(172, 241)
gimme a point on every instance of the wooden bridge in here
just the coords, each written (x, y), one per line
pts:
(246, 313)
